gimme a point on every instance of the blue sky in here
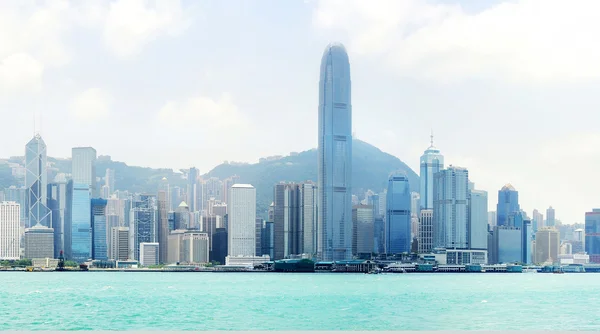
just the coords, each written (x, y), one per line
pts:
(508, 87)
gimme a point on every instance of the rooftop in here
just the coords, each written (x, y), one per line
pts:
(241, 185)
(508, 187)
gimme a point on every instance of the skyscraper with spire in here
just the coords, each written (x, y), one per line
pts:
(432, 161)
(335, 156)
(36, 183)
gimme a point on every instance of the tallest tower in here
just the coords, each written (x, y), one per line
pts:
(335, 156)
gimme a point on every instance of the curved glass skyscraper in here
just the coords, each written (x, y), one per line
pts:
(335, 156)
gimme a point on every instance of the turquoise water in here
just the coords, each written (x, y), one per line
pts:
(268, 301)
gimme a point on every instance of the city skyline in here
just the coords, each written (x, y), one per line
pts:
(386, 86)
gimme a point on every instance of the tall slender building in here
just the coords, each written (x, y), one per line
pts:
(10, 234)
(192, 188)
(550, 217)
(99, 233)
(84, 167)
(145, 227)
(36, 182)
(335, 156)
(398, 218)
(81, 232)
(450, 212)
(242, 220)
(432, 161)
(508, 204)
(163, 225)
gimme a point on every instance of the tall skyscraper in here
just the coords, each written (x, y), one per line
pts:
(81, 233)
(397, 224)
(84, 167)
(335, 156)
(362, 231)
(99, 233)
(36, 182)
(432, 161)
(192, 188)
(10, 231)
(592, 235)
(550, 217)
(308, 217)
(145, 224)
(109, 180)
(163, 225)
(242, 219)
(287, 214)
(425, 239)
(478, 224)
(508, 204)
(450, 213)
(60, 197)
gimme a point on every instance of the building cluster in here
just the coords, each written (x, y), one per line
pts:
(85, 217)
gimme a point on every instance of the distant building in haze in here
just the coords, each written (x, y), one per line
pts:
(242, 219)
(547, 245)
(83, 169)
(508, 204)
(99, 232)
(81, 224)
(362, 231)
(550, 217)
(592, 235)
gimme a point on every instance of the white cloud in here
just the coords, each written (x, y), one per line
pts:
(92, 104)
(130, 24)
(522, 40)
(20, 73)
(202, 113)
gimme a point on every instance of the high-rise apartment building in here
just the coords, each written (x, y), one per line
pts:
(432, 161)
(241, 220)
(508, 204)
(81, 225)
(450, 213)
(592, 235)
(36, 183)
(398, 218)
(84, 167)
(99, 232)
(335, 156)
(10, 231)
(39, 242)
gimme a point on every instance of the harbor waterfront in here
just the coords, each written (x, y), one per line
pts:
(261, 301)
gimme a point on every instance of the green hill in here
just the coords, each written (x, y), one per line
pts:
(370, 170)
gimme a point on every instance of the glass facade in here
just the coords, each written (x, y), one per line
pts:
(431, 163)
(99, 234)
(144, 222)
(508, 204)
(335, 156)
(509, 242)
(592, 235)
(36, 182)
(397, 224)
(81, 234)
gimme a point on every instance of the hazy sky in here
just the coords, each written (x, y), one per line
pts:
(510, 88)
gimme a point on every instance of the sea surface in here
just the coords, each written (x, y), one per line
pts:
(272, 301)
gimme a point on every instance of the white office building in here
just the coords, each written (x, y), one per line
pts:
(10, 231)
(242, 220)
(149, 253)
